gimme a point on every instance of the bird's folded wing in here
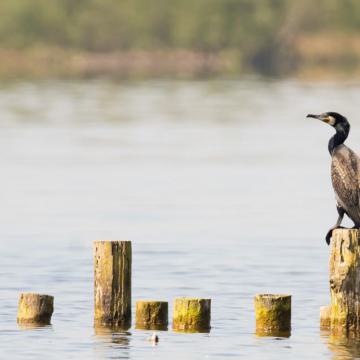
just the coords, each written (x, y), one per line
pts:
(346, 179)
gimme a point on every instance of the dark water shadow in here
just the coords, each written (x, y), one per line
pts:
(274, 334)
(152, 327)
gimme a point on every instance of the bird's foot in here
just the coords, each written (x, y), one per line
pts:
(329, 233)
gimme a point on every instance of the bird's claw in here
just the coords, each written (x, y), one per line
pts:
(329, 234)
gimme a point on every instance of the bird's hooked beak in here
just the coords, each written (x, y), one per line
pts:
(323, 117)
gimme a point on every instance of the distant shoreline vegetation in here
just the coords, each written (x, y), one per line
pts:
(314, 61)
(179, 38)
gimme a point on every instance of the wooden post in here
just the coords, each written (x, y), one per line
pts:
(152, 315)
(345, 281)
(325, 317)
(273, 315)
(35, 309)
(112, 283)
(192, 315)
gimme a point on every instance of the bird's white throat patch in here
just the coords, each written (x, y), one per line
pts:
(331, 120)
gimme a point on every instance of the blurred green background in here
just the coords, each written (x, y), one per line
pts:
(180, 38)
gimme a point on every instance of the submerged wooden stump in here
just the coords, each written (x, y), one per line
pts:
(273, 314)
(112, 283)
(152, 315)
(325, 317)
(35, 309)
(192, 315)
(345, 281)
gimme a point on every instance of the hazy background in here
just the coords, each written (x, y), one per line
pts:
(180, 38)
(179, 125)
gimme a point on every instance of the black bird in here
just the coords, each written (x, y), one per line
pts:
(345, 171)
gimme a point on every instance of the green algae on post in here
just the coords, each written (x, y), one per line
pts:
(35, 309)
(325, 317)
(273, 315)
(344, 281)
(192, 315)
(152, 315)
(112, 284)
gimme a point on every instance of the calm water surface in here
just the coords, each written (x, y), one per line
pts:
(223, 187)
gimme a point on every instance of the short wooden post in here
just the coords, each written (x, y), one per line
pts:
(273, 315)
(325, 317)
(345, 281)
(35, 309)
(112, 283)
(192, 315)
(152, 315)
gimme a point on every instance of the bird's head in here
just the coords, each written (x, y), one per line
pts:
(332, 118)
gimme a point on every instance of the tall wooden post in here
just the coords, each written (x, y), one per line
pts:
(112, 283)
(345, 281)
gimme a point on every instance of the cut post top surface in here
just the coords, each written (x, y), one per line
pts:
(111, 241)
(151, 302)
(272, 297)
(341, 232)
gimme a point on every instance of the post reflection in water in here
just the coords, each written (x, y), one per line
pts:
(32, 326)
(342, 346)
(109, 339)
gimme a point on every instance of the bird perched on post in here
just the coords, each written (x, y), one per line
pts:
(345, 171)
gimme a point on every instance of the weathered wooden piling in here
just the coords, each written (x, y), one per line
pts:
(192, 315)
(152, 315)
(325, 317)
(273, 314)
(112, 283)
(345, 281)
(35, 309)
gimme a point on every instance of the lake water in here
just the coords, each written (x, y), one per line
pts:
(222, 186)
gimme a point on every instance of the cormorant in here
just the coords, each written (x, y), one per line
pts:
(345, 171)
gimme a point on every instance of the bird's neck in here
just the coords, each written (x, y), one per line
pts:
(342, 132)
